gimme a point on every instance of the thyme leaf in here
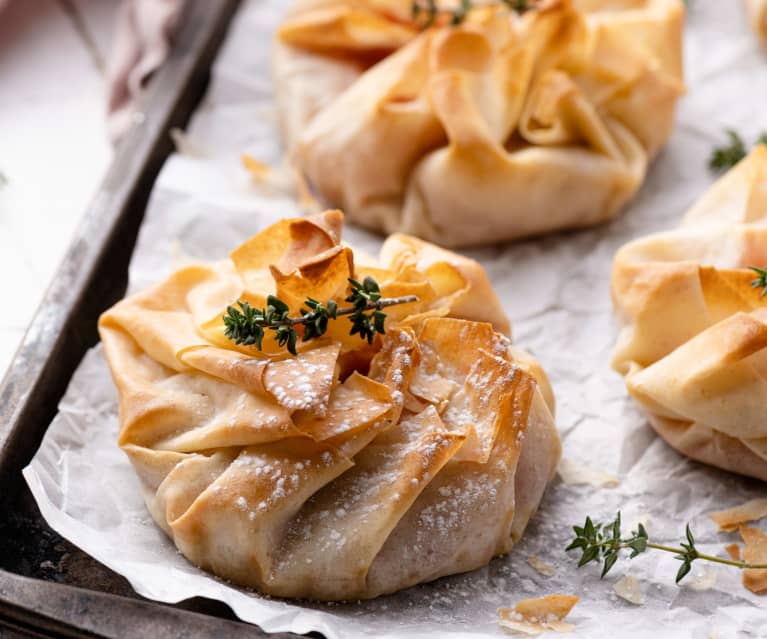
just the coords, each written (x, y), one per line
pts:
(761, 280)
(603, 543)
(247, 325)
(427, 12)
(728, 155)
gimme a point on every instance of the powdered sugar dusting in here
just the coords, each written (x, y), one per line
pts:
(303, 382)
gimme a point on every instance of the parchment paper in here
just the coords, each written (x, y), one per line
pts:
(555, 290)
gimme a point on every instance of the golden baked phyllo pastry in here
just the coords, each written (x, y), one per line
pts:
(490, 124)
(694, 304)
(416, 447)
(757, 13)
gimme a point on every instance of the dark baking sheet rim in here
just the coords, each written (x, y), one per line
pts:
(92, 276)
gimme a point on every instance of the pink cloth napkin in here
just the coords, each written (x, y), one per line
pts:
(142, 42)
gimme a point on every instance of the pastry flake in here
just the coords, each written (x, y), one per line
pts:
(754, 552)
(574, 473)
(629, 589)
(536, 616)
(729, 520)
(540, 566)
(351, 469)
(501, 127)
(693, 346)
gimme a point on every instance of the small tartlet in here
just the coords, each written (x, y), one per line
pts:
(693, 347)
(352, 469)
(505, 126)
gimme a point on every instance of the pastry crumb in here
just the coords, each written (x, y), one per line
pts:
(754, 552)
(628, 588)
(705, 580)
(576, 474)
(540, 566)
(729, 520)
(257, 169)
(536, 616)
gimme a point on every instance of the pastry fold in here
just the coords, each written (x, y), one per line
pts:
(352, 469)
(693, 347)
(502, 127)
(757, 14)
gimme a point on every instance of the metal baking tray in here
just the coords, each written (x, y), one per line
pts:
(49, 588)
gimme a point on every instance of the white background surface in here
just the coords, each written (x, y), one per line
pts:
(53, 143)
(555, 290)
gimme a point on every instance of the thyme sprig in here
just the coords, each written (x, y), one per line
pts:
(247, 325)
(603, 543)
(726, 156)
(426, 12)
(761, 281)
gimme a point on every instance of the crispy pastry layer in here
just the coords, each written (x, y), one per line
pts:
(693, 347)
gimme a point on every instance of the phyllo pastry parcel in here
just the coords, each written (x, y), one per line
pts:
(486, 125)
(359, 466)
(693, 302)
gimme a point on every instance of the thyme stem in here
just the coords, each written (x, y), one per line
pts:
(349, 310)
(744, 565)
(426, 12)
(246, 325)
(603, 542)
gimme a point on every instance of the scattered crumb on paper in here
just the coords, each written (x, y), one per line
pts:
(536, 616)
(734, 551)
(257, 169)
(576, 474)
(270, 179)
(731, 518)
(704, 580)
(754, 552)
(540, 566)
(628, 588)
